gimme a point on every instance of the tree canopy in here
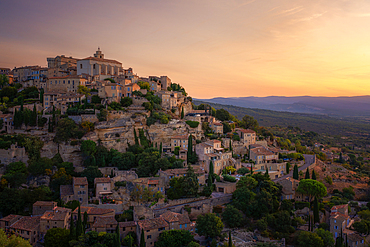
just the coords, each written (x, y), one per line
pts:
(209, 225)
(312, 188)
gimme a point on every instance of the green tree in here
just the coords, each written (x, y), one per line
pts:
(312, 188)
(126, 101)
(295, 172)
(13, 240)
(182, 113)
(41, 95)
(210, 175)
(249, 122)
(66, 130)
(316, 216)
(287, 167)
(83, 90)
(309, 239)
(79, 226)
(88, 147)
(136, 138)
(72, 229)
(84, 222)
(361, 227)
(142, 239)
(232, 217)
(190, 183)
(223, 115)
(313, 174)
(326, 236)
(174, 238)
(209, 225)
(230, 240)
(307, 174)
(91, 173)
(190, 148)
(56, 237)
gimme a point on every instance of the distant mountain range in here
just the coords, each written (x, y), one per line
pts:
(357, 106)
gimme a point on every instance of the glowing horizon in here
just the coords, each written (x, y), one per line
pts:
(214, 48)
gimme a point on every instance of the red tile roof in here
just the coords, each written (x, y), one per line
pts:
(94, 211)
(67, 76)
(102, 180)
(339, 206)
(103, 221)
(127, 224)
(27, 223)
(10, 217)
(58, 213)
(151, 224)
(176, 217)
(80, 181)
(44, 203)
(184, 137)
(247, 131)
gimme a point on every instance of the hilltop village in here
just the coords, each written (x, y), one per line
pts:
(94, 155)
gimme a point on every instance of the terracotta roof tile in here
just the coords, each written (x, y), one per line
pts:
(79, 181)
(10, 217)
(127, 224)
(102, 180)
(44, 203)
(59, 213)
(27, 223)
(175, 217)
(151, 224)
(94, 211)
(246, 131)
(103, 221)
(102, 60)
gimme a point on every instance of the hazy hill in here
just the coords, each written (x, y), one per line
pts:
(332, 106)
(346, 126)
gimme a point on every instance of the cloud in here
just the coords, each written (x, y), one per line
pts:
(291, 11)
(310, 17)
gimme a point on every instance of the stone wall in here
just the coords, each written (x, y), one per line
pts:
(13, 154)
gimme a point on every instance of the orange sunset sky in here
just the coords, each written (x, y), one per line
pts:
(229, 48)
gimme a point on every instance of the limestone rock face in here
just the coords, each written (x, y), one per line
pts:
(69, 153)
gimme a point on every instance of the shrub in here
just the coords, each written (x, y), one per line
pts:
(229, 178)
(329, 180)
(192, 124)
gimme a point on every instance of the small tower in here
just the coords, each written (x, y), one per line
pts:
(99, 54)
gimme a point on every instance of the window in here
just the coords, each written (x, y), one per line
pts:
(128, 89)
(180, 226)
(80, 66)
(94, 66)
(82, 186)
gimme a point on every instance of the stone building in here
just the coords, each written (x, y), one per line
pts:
(13, 154)
(93, 214)
(65, 84)
(61, 100)
(41, 207)
(289, 187)
(179, 141)
(126, 227)
(58, 217)
(103, 186)
(339, 219)
(77, 191)
(262, 155)
(180, 172)
(27, 227)
(151, 228)
(247, 136)
(98, 65)
(104, 224)
(177, 221)
(23, 74)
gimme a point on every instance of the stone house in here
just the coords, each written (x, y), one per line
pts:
(247, 136)
(61, 100)
(151, 228)
(130, 88)
(276, 170)
(13, 154)
(289, 187)
(9, 220)
(225, 187)
(179, 141)
(111, 91)
(126, 227)
(77, 191)
(217, 127)
(262, 155)
(153, 183)
(103, 186)
(59, 217)
(93, 214)
(104, 224)
(65, 84)
(27, 227)
(339, 219)
(356, 240)
(178, 221)
(40, 207)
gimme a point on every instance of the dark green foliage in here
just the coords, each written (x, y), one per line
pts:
(223, 115)
(295, 172)
(66, 130)
(230, 240)
(84, 222)
(286, 205)
(91, 173)
(16, 174)
(309, 239)
(56, 237)
(308, 174)
(226, 127)
(38, 167)
(178, 88)
(95, 239)
(186, 186)
(316, 217)
(229, 178)
(174, 238)
(313, 174)
(361, 227)
(142, 239)
(182, 113)
(79, 226)
(136, 138)
(209, 225)
(243, 170)
(210, 175)
(192, 124)
(72, 229)
(287, 167)
(326, 236)
(232, 217)
(95, 99)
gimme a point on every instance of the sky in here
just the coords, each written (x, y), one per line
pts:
(214, 48)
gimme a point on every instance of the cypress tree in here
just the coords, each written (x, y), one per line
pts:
(118, 241)
(21, 103)
(182, 113)
(26, 117)
(210, 175)
(72, 230)
(287, 167)
(309, 223)
(160, 149)
(84, 223)
(54, 119)
(79, 229)
(307, 174)
(230, 240)
(33, 121)
(267, 171)
(295, 172)
(41, 95)
(136, 139)
(190, 148)
(313, 174)
(231, 146)
(17, 119)
(142, 239)
(251, 169)
(316, 217)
